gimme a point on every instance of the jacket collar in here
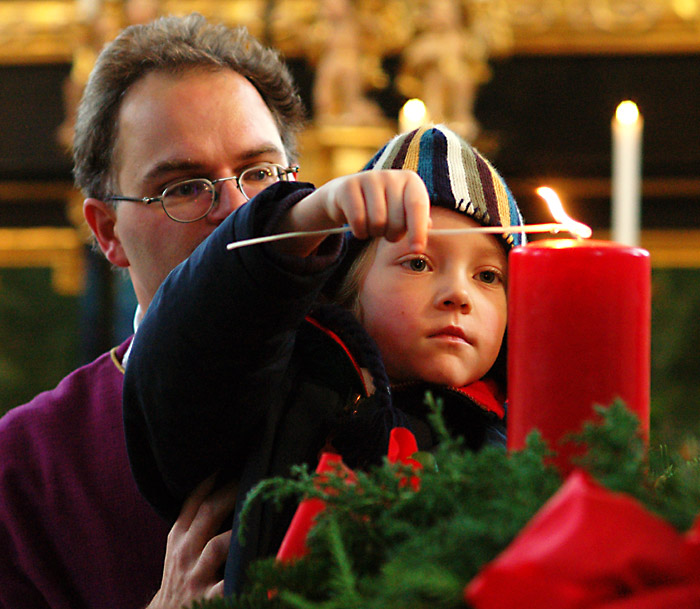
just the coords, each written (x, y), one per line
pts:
(484, 393)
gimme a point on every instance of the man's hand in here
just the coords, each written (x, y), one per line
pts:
(195, 552)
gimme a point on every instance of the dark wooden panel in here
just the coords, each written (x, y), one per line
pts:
(31, 109)
(553, 113)
(549, 118)
(544, 118)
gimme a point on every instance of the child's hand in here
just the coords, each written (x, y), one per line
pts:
(386, 203)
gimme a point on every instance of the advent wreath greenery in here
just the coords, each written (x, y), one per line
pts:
(405, 538)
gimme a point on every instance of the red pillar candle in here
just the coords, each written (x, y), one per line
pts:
(579, 324)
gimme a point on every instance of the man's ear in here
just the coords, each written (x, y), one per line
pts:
(102, 220)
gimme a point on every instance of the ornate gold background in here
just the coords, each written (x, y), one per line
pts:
(48, 30)
(71, 32)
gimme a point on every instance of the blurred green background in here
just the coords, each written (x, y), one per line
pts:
(42, 338)
(675, 358)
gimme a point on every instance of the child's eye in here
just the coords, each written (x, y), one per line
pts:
(417, 265)
(490, 276)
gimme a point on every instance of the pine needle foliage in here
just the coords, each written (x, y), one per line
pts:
(379, 543)
(665, 483)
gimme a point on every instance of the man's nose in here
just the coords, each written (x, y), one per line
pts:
(228, 199)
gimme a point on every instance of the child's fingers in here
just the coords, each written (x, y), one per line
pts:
(416, 203)
(352, 201)
(344, 201)
(380, 204)
(396, 225)
(364, 202)
(390, 198)
(375, 204)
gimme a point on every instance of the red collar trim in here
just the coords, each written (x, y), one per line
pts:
(334, 337)
(484, 394)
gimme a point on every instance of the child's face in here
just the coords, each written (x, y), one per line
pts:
(440, 316)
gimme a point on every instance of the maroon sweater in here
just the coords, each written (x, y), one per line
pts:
(74, 531)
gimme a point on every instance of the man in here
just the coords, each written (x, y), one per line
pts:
(167, 102)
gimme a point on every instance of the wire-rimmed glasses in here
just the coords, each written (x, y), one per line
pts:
(191, 200)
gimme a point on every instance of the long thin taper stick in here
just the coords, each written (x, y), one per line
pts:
(549, 227)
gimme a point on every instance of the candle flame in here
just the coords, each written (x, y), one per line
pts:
(415, 110)
(627, 112)
(578, 229)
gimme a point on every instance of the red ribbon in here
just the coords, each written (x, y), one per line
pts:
(589, 548)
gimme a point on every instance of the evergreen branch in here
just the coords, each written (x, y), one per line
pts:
(342, 579)
(435, 418)
(379, 544)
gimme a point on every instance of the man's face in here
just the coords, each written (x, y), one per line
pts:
(439, 316)
(199, 124)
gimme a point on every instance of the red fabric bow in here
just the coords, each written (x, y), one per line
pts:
(589, 548)
(402, 446)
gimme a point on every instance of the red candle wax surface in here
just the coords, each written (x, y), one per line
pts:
(579, 325)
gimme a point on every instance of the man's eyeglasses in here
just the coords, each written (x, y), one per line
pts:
(192, 200)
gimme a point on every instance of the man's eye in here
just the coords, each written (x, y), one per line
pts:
(187, 190)
(259, 174)
(417, 265)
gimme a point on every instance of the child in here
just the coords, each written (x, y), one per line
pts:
(237, 366)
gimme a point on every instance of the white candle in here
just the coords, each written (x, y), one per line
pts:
(413, 114)
(627, 126)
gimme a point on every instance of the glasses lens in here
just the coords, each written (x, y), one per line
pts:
(256, 179)
(189, 200)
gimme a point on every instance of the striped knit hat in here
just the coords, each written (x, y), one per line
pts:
(456, 175)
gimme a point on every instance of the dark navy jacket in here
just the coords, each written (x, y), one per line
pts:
(236, 369)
